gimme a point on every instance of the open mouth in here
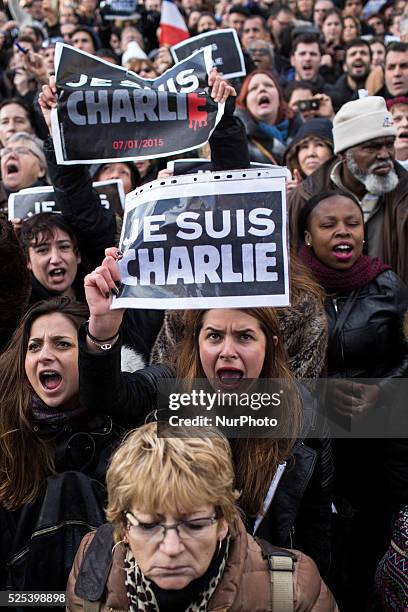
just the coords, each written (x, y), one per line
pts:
(343, 251)
(264, 100)
(230, 377)
(50, 380)
(403, 135)
(57, 273)
(12, 168)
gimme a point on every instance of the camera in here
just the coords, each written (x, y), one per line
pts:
(307, 105)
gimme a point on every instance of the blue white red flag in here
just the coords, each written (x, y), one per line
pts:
(173, 28)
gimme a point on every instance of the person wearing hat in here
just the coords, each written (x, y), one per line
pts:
(398, 108)
(364, 165)
(310, 148)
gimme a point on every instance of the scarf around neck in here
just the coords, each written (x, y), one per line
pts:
(362, 272)
(144, 596)
(279, 131)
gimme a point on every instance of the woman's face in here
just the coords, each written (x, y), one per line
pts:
(51, 362)
(117, 170)
(313, 152)
(175, 561)
(377, 54)
(232, 347)
(332, 28)
(205, 24)
(350, 30)
(336, 232)
(263, 99)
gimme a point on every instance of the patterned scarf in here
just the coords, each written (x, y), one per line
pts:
(141, 591)
(362, 272)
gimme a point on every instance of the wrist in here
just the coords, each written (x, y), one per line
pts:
(103, 328)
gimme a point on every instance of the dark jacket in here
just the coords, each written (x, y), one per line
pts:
(342, 92)
(370, 344)
(394, 248)
(307, 485)
(39, 540)
(273, 146)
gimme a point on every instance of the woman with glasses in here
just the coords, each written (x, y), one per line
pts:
(22, 164)
(175, 539)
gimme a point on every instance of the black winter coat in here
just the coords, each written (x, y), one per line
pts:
(38, 541)
(300, 512)
(371, 344)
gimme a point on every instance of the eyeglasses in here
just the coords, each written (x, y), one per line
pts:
(261, 51)
(17, 151)
(156, 532)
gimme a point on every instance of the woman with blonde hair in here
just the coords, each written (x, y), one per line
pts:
(180, 543)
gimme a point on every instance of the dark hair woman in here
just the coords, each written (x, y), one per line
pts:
(53, 453)
(268, 120)
(224, 354)
(365, 307)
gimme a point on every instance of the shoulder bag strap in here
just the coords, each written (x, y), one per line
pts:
(264, 151)
(281, 568)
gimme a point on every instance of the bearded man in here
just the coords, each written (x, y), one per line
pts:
(364, 164)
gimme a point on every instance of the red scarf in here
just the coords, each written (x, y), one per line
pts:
(362, 272)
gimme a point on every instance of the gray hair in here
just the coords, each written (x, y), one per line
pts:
(35, 144)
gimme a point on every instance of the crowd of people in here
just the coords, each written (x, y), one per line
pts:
(92, 500)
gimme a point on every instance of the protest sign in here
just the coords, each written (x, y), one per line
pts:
(34, 200)
(214, 240)
(226, 51)
(119, 9)
(107, 113)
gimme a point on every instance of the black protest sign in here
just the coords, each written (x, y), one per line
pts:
(34, 200)
(119, 9)
(209, 240)
(107, 113)
(225, 47)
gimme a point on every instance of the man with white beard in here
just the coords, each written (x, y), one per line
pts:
(364, 164)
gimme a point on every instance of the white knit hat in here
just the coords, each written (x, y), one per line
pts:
(361, 120)
(133, 51)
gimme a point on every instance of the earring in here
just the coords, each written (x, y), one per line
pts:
(123, 541)
(363, 241)
(219, 547)
(309, 244)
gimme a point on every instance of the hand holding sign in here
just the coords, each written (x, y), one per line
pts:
(220, 89)
(99, 287)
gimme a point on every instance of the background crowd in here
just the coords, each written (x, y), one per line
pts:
(326, 94)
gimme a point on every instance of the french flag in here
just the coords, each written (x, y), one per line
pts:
(173, 28)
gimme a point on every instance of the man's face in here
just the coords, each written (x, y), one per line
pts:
(357, 63)
(236, 21)
(353, 7)
(372, 163)
(253, 30)
(66, 32)
(261, 54)
(83, 41)
(20, 166)
(399, 114)
(396, 73)
(153, 5)
(306, 61)
(13, 118)
(377, 24)
(320, 10)
(280, 22)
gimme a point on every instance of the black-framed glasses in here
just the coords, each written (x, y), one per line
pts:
(155, 532)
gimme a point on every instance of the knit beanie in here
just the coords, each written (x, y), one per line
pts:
(361, 120)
